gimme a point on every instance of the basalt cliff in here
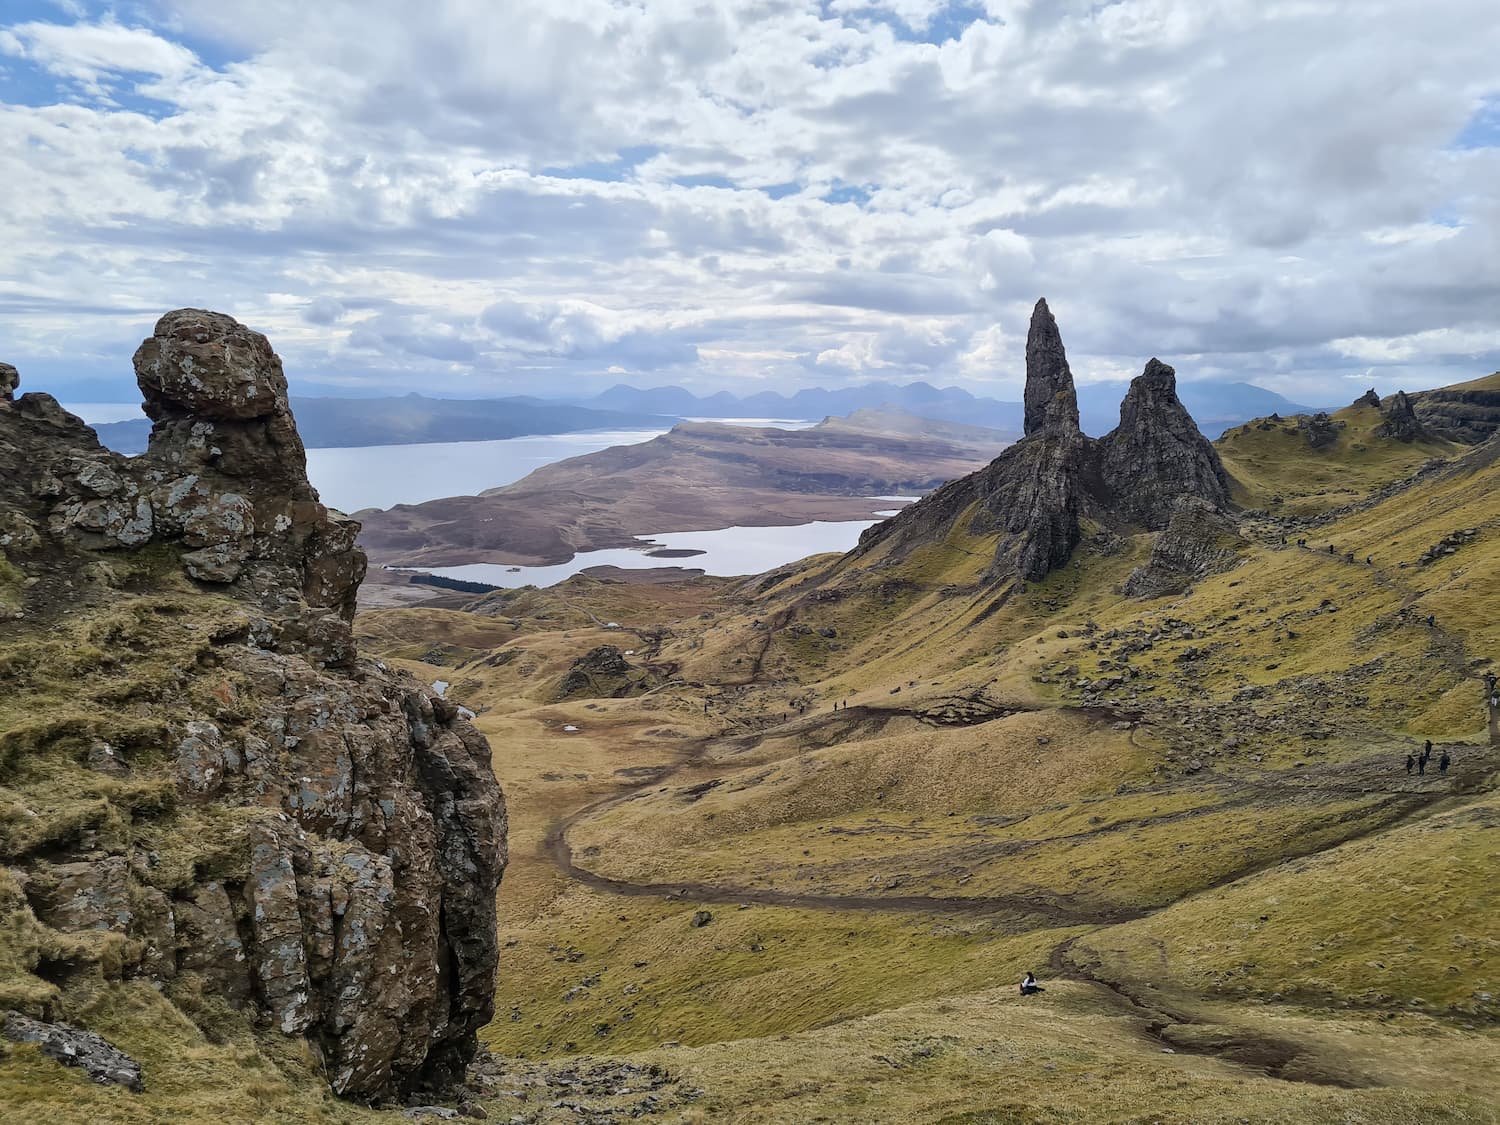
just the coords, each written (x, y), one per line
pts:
(205, 792)
(1039, 495)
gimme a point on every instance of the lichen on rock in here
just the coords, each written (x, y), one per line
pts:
(339, 832)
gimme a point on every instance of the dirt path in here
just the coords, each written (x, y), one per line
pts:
(1401, 801)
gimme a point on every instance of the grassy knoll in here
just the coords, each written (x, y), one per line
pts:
(1275, 466)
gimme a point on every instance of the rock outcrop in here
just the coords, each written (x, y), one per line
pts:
(1037, 494)
(1198, 540)
(1369, 398)
(602, 673)
(1467, 412)
(94, 1055)
(1320, 430)
(1157, 453)
(1401, 420)
(323, 837)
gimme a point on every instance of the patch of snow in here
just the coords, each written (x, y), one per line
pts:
(570, 729)
(441, 687)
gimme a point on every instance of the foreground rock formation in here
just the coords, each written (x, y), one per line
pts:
(254, 818)
(1040, 492)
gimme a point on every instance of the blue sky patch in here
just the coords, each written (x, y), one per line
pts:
(1483, 129)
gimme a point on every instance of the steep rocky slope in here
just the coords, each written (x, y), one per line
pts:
(208, 800)
(1468, 412)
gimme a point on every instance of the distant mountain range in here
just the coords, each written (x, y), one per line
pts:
(412, 419)
(1214, 405)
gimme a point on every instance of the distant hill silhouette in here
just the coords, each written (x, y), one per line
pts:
(1215, 405)
(412, 419)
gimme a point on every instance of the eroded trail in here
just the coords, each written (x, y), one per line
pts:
(1399, 803)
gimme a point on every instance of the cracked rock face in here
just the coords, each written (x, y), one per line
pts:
(352, 902)
(1198, 541)
(1157, 454)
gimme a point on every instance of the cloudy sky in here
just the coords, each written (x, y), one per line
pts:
(549, 196)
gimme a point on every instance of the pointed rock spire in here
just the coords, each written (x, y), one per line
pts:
(1051, 402)
(1157, 453)
(1369, 398)
(10, 379)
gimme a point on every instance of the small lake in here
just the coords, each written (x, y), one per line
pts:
(728, 551)
(382, 476)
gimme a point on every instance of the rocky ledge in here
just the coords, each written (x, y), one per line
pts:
(258, 820)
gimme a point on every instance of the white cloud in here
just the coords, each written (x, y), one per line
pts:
(86, 53)
(508, 195)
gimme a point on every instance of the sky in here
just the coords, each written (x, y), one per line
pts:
(552, 196)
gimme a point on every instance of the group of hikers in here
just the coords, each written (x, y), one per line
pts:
(1418, 762)
(1332, 550)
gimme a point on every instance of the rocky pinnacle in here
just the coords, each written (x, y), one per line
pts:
(1051, 402)
(1036, 496)
(1157, 453)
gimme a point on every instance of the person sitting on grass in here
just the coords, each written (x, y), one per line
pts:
(1029, 985)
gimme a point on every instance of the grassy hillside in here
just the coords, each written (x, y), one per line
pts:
(796, 876)
(892, 788)
(1276, 467)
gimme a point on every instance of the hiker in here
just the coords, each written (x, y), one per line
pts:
(1369, 560)
(1330, 548)
(1411, 764)
(1444, 762)
(1427, 750)
(1029, 985)
(1432, 621)
(1422, 766)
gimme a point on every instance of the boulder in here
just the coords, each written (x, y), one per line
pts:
(1197, 541)
(98, 1058)
(1320, 430)
(10, 379)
